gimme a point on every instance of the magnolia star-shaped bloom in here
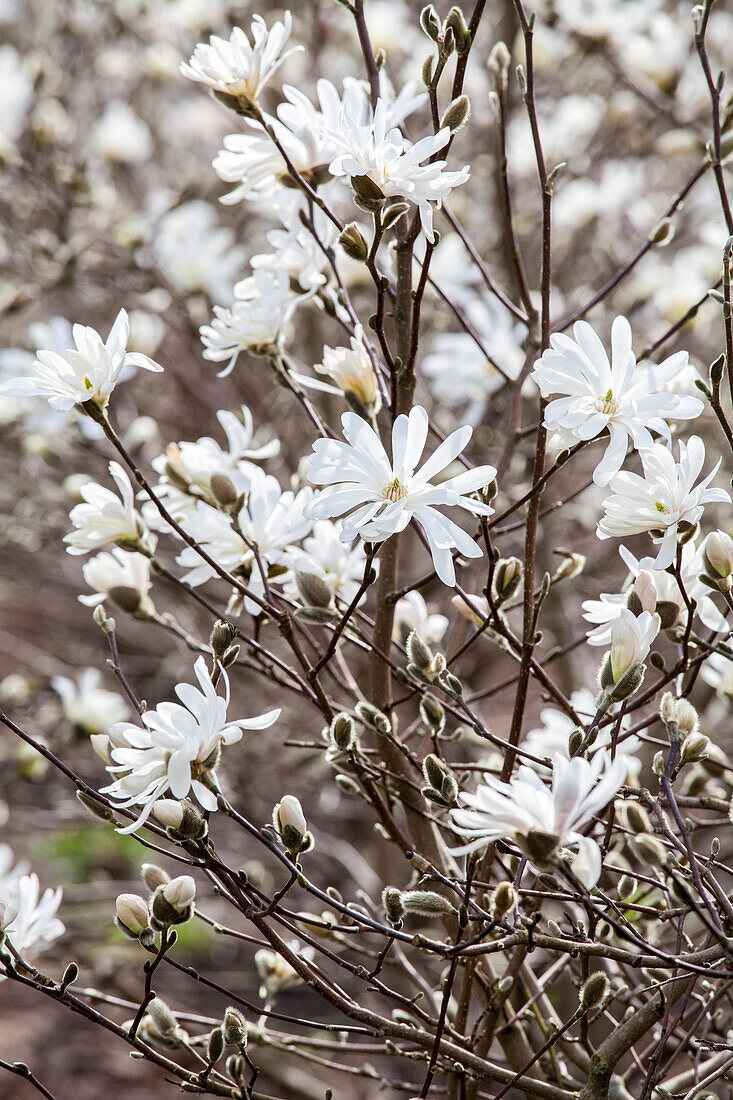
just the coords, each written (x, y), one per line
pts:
(631, 639)
(665, 501)
(104, 517)
(86, 704)
(87, 373)
(236, 69)
(668, 602)
(379, 497)
(392, 164)
(525, 808)
(178, 749)
(121, 576)
(629, 402)
(553, 735)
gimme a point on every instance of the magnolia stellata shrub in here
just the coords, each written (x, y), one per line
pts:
(478, 263)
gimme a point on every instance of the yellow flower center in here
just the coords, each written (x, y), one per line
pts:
(608, 405)
(661, 507)
(395, 490)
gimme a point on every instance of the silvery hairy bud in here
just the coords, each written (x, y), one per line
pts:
(128, 599)
(132, 915)
(503, 899)
(432, 713)
(222, 635)
(430, 22)
(419, 652)
(367, 194)
(426, 903)
(694, 748)
(173, 903)
(163, 1019)
(594, 990)
(291, 827)
(224, 491)
(353, 242)
(215, 1046)
(313, 590)
(154, 876)
(457, 114)
(392, 904)
(456, 20)
(499, 62)
(649, 850)
(626, 887)
(718, 558)
(507, 577)
(235, 1028)
(637, 818)
(375, 718)
(99, 809)
(103, 620)
(342, 733)
(181, 819)
(442, 786)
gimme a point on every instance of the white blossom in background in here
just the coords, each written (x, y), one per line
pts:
(178, 748)
(86, 704)
(352, 372)
(120, 136)
(599, 395)
(718, 672)
(472, 607)
(16, 96)
(323, 553)
(669, 600)
(412, 613)
(552, 736)
(87, 372)
(276, 972)
(255, 323)
(458, 369)
(237, 69)
(196, 253)
(27, 916)
(254, 163)
(104, 517)
(525, 806)
(665, 501)
(381, 153)
(298, 254)
(271, 521)
(378, 497)
(119, 575)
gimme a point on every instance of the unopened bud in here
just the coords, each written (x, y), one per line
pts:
(626, 887)
(540, 847)
(687, 718)
(694, 748)
(392, 904)
(162, 1017)
(507, 576)
(649, 850)
(313, 590)
(182, 820)
(418, 651)
(291, 825)
(222, 635)
(99, 809)
(504, 899)
(154, 876)
(667, 710)
(235, 1028)
(499, 62)
(637, 818)
(224, 491)
(643, 595)
(430, 22)
(132, 913)
(431, 712)
(457, 114)
(367, 195)
(718, 556)
(342, 732)
(353, 242)
(375, 718)
(180, 892)
(426, 903)
(630, 682)
(594, 990)
(662, 233)
(215, 1046)
(442, 784)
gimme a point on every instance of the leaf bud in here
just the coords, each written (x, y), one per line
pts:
(353, 242)
(215, 1046)
(313, 589)
(432, 713)
(456, 20)
(457, 114)
(367, 194)
(418, 651)
(507, 577)
(694, 748)
(499, 62)
(430, 22)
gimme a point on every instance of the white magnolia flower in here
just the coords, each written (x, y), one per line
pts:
(628, 401)
(352, 371)
(270, 520)
(474, 608)
(105, 517)
(255, 164)
(28, 916)
(121, 576)
(86, 704)
(276, 972)
(297, 253)
(237, 69)
(379, 497)
(196, 253)
(457, 368)
(177, 749)
(669, 600)
(88, 372)
(412, 613)
(186, 468)
(16, 96)
(664, 501)
(553, 735)
(717, 671)
(339, 565)
(382, 153)
(255, 323)
(525, 806)
(631, 639)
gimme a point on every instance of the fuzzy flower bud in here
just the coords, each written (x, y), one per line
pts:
(442, 786)
(342, 733)
(373, 717)
(392, 904)
(313, 590)
(154, 876)
(718, 557)
(235, 1028)
(353, 242)
(504, 899)
(426, 903)
(594, 990)
(180, 892)
(132, 914)
(182, 820)
(291, 826)
(507, 577)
